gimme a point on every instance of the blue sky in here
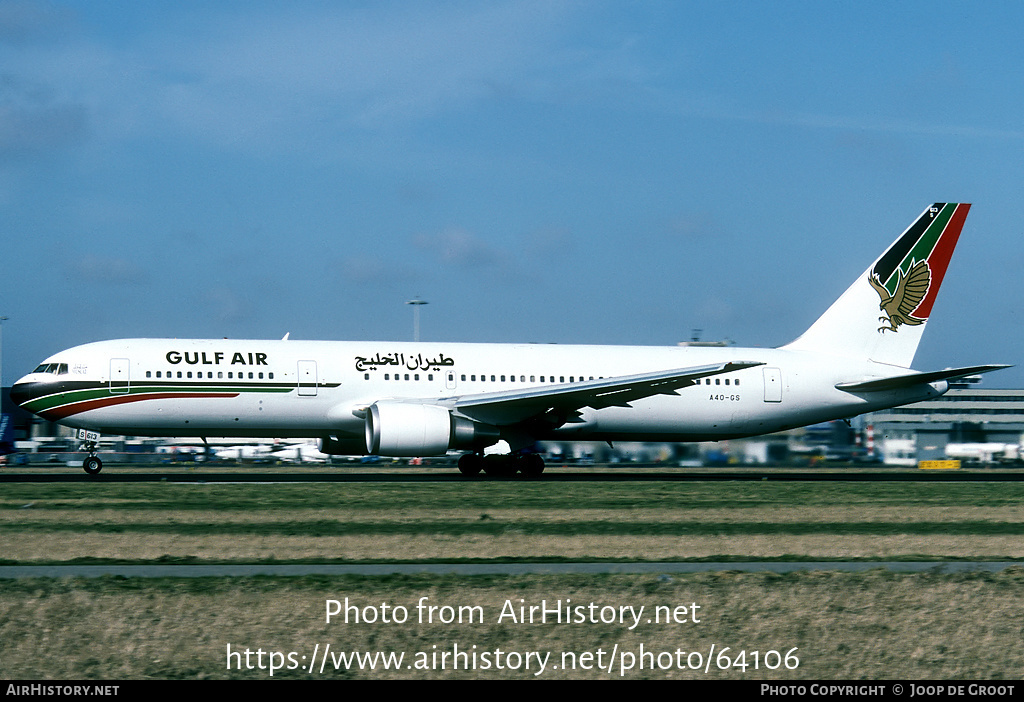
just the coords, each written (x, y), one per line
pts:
(571, 172)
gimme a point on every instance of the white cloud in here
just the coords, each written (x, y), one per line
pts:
(460, 248)
(32, 120)
(227, 306)
(23, 21)
(107, 270)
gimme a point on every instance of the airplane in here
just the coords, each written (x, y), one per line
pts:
(308, 452)
(386, 398)
(242, 452)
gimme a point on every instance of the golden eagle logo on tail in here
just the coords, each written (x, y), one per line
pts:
(911, 288)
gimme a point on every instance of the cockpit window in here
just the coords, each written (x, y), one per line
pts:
(55, 368)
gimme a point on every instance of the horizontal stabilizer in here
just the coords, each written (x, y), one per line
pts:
(904, 381)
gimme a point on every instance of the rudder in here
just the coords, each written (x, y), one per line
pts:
(882, 316)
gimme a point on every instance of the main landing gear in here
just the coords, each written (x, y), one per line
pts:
(529, 465)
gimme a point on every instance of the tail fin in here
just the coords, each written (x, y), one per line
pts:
(882, 315)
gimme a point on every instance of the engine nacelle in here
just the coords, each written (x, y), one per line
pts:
(413, 429)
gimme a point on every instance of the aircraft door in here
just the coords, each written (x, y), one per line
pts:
(307, 378)
(119, 372)
(772, 385)
(449, 380)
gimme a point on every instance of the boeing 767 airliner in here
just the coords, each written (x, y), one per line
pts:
(426, 399)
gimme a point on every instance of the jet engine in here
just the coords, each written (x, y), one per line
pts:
(414, 429)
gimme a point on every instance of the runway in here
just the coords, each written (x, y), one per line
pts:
(216, 571)
(442, 475)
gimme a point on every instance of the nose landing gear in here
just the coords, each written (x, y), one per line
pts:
(90, 440)
(92, 465)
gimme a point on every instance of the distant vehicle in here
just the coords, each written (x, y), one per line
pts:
(425, 399)
(988, 452)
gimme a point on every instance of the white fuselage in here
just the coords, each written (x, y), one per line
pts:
(278, 389)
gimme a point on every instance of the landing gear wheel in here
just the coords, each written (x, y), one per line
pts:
(471, 464)
(531, 465)
(498, 466)
(92, 465)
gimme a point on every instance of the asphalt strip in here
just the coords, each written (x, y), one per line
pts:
(208, 571)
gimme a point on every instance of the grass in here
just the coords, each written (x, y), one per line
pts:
(343, 522)
(874, 625)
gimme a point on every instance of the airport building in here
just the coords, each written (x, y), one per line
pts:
(945, 427)
(969, 422)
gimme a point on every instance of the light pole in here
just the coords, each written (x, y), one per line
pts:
(416, 304)
(2, 320)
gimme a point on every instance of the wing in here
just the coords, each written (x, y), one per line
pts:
(561, 402)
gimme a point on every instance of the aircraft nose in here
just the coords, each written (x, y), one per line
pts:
(24, 391)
